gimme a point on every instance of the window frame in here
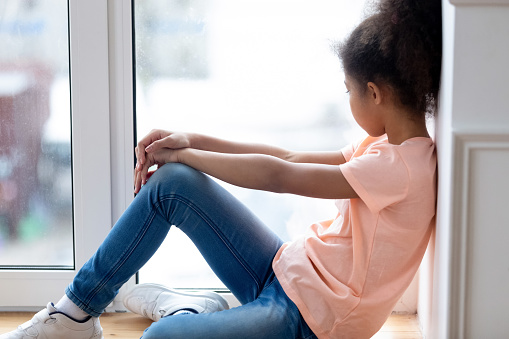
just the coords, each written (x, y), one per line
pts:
(122, 129)
(91, 161)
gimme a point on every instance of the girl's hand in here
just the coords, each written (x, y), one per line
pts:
(159, 139)
(157, 158)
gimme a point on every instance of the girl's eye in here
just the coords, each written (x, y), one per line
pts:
(347, 92)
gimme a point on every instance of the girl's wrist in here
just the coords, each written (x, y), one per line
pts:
(192, 140)
(180, 155)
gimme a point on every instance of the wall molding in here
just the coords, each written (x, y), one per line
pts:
(479, 2)
(465, 143)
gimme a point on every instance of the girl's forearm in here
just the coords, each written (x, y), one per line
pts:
(268, 173)
(208, 143)
(255, 171)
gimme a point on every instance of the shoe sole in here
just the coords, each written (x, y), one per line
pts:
(201, 294)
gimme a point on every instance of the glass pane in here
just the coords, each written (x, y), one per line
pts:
(35, 156)
(260, 71)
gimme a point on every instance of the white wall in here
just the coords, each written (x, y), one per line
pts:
(470, 278)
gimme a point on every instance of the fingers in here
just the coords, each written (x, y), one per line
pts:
(169, 141)
(140, 178)
(156, 145)
(147, 149)
(140, 150)
(157, 140)
(143, 173)
(140, 155)
(140, 159)
(137, 181)
(140, 174)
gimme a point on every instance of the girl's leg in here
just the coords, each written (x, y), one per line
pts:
(271, 316)
(238, 247)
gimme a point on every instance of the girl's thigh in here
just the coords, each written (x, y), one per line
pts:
(271, 315)
(236, 244)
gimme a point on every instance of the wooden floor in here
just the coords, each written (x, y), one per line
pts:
(128, 325)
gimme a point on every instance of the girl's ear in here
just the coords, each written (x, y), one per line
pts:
(374, 93)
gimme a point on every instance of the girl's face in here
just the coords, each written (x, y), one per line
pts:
(364, 109)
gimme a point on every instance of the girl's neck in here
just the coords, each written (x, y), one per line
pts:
(400, 126)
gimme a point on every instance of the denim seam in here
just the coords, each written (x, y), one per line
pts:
(74, 298)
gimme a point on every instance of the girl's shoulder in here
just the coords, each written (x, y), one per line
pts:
(411, 150)
(371, 144)
(362, 146)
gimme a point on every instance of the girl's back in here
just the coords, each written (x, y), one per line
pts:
(355, 268)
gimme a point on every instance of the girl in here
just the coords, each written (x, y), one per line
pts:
(339, 280)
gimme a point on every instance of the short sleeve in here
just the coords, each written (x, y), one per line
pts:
(379, 176)
(349, 150)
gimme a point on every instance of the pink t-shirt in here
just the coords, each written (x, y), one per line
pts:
(346, 275)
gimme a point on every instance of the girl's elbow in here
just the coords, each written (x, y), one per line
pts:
(274, 186)
(276, 183)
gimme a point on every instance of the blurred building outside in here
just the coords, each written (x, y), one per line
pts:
(35, 151)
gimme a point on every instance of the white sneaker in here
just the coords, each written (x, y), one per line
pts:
(156, 301)
(52, 324)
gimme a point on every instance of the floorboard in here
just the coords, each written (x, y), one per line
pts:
(131, 326)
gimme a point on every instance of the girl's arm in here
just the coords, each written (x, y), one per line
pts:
(208, 143)
(159, 139)
(258, 171)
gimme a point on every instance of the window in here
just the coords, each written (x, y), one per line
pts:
(35, 134)
(243, 70)
(54, 80)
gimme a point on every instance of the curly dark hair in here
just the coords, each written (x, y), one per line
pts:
(399, 45)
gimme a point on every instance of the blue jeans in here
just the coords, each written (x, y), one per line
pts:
(236, 244)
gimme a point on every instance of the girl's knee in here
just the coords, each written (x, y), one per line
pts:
(153, 332)
(173, 175)
(173, 170)
(164, 330)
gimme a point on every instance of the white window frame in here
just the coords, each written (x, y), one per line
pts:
(89, 66)
(121, 117)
